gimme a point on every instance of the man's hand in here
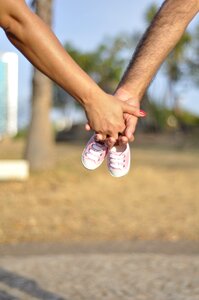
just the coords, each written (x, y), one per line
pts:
(106, 117)
(131, 123)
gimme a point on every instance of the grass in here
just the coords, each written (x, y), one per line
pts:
(157, 200)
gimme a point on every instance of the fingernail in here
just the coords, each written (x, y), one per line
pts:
(143, 113)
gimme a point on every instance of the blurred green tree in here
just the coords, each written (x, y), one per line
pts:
(176, 60)
(174, 66)
(104, 64)
(174, 70)
(192, 59)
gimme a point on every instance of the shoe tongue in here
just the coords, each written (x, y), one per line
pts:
(101, 144)
(97, 146)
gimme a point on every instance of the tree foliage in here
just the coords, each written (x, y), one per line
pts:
(104, 64)
(192, 59)
(174, 70)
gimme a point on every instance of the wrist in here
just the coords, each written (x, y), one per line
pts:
(92, 96)
(125, 93)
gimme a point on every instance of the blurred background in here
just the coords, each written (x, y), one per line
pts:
(60, 200)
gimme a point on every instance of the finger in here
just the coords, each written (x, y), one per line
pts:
(99, 137)
(129, 132)
(132, 139)
(127, 108)
(130, 128)
(87, 127)
(110, 142)
(113, 135)
(123, 140)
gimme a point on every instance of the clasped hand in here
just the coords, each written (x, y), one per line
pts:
(114, 118)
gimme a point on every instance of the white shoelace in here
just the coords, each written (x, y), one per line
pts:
(117, 161)
(95, 152)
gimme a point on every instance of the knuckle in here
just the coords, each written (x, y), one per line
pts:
(110, 132)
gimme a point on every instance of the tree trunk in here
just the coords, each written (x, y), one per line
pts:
(39, 148)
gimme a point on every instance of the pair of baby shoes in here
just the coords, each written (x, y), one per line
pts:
(118, 157)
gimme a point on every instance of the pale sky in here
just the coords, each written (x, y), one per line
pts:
(85, 24)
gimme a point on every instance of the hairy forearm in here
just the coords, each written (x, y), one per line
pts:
(37, 42)
(160, 38)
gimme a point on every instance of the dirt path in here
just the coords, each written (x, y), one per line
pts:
(101, 273)
(157, 200)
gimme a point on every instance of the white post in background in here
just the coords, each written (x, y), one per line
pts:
(11, 59)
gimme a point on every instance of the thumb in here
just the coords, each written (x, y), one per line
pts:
(132, 110)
